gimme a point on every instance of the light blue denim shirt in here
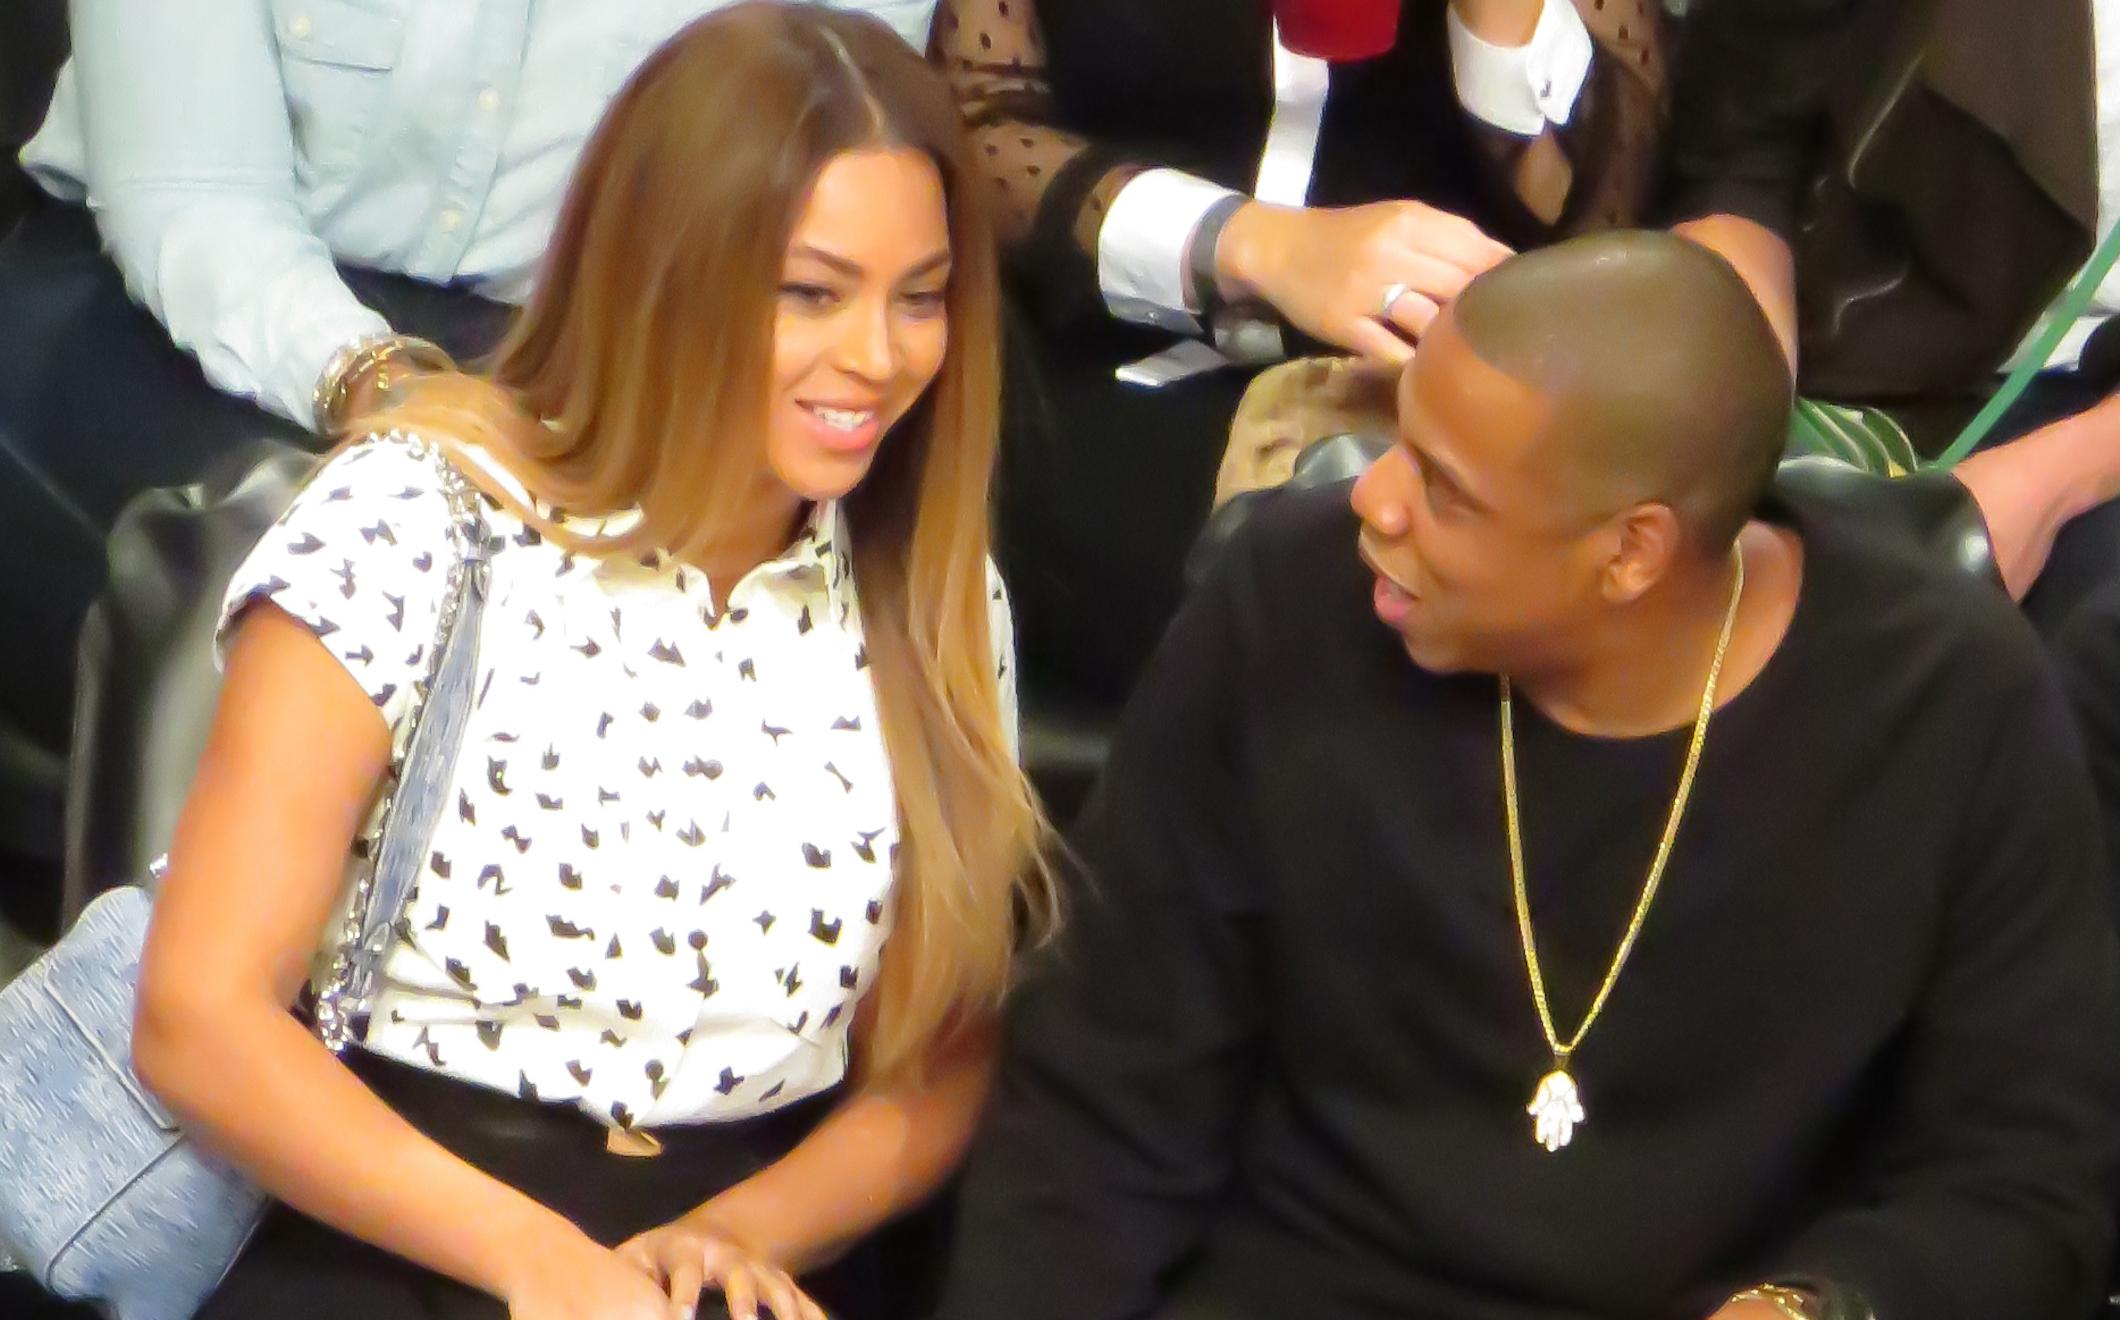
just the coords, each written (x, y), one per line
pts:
(234, 149)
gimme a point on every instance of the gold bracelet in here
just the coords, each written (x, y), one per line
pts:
(1791, 1303)
(356, 360)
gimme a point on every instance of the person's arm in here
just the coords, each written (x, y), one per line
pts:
(1748, 123)
(1130, 1055)
(1762, 258)
(300, 742)
(1092, 233)
(1052, 188)
(190, 159)
(1992, 1193)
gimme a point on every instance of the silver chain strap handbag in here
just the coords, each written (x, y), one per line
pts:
(102, 1196)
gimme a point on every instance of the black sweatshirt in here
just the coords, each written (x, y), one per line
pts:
(1284, 1053)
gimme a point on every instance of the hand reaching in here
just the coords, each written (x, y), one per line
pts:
(1329, 271)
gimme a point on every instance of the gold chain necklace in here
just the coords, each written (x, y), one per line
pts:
(1557, 1106)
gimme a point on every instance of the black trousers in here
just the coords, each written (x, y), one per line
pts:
(96, 405)
(1103, 488)
(2075, 604)
(296, 1267)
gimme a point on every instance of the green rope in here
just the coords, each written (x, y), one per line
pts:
(2059, 318)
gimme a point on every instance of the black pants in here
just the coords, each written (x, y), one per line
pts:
(296, 1267)
(1103, 489)
(2075, 604)
(96, 405)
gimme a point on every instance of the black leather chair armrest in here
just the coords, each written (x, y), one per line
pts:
(148, 681)
(1931, 513)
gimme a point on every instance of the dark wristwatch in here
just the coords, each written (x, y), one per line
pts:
(1200, 255)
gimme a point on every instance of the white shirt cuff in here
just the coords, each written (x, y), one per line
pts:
(303, 347)
(1521, 89)
(1141, 248)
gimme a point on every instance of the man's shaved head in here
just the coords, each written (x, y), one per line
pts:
(1664, 380)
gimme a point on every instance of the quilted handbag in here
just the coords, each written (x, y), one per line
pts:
(103, 1198)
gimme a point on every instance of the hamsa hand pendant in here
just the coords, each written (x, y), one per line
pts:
(1556, 1108)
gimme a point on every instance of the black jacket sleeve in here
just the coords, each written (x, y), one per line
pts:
(1129, 1054)
(1994, 1195)
(1754, 83)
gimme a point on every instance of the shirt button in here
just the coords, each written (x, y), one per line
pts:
(298, 27)
(489, 100)
(452, 220)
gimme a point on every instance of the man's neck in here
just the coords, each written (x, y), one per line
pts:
(1644, 674)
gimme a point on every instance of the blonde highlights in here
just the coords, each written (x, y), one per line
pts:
(637, 377)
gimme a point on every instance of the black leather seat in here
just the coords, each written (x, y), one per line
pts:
(148, 683)
(1929, 511)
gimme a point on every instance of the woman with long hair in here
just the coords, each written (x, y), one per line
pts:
(696, 986)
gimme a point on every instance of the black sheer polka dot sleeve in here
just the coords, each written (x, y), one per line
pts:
(993, 53)
(1053, 187)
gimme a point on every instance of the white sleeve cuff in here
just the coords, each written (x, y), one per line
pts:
(1521, 89)
(303, 347)
(255, 299)
(1141, 248)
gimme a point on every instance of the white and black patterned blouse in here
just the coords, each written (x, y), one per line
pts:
(664, 881)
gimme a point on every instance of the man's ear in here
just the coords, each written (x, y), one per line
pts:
(1645, 541)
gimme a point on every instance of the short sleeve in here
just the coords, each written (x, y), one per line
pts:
(1001, 630)
(362, 559)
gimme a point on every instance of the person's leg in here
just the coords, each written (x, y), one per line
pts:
(95, 405)
(2083, 641)
(2075, 604)
(551, 1153)
(1206, 1294)
(1103, 489)
(295, 1266)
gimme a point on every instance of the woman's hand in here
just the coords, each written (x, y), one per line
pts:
(691, 1255)
(1328, 271)
(583, 1280)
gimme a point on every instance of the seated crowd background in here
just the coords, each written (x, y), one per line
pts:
(1575, 868)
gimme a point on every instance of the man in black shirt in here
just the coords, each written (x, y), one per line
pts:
(1741, 954)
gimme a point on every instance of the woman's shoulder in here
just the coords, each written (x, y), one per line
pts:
(396, 465)
(363, 558)
(431, 480)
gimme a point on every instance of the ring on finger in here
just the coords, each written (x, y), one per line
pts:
(1391, 298)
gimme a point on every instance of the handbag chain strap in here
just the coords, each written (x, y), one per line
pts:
(364, 932)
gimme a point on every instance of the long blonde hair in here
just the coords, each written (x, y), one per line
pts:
(637, 376)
